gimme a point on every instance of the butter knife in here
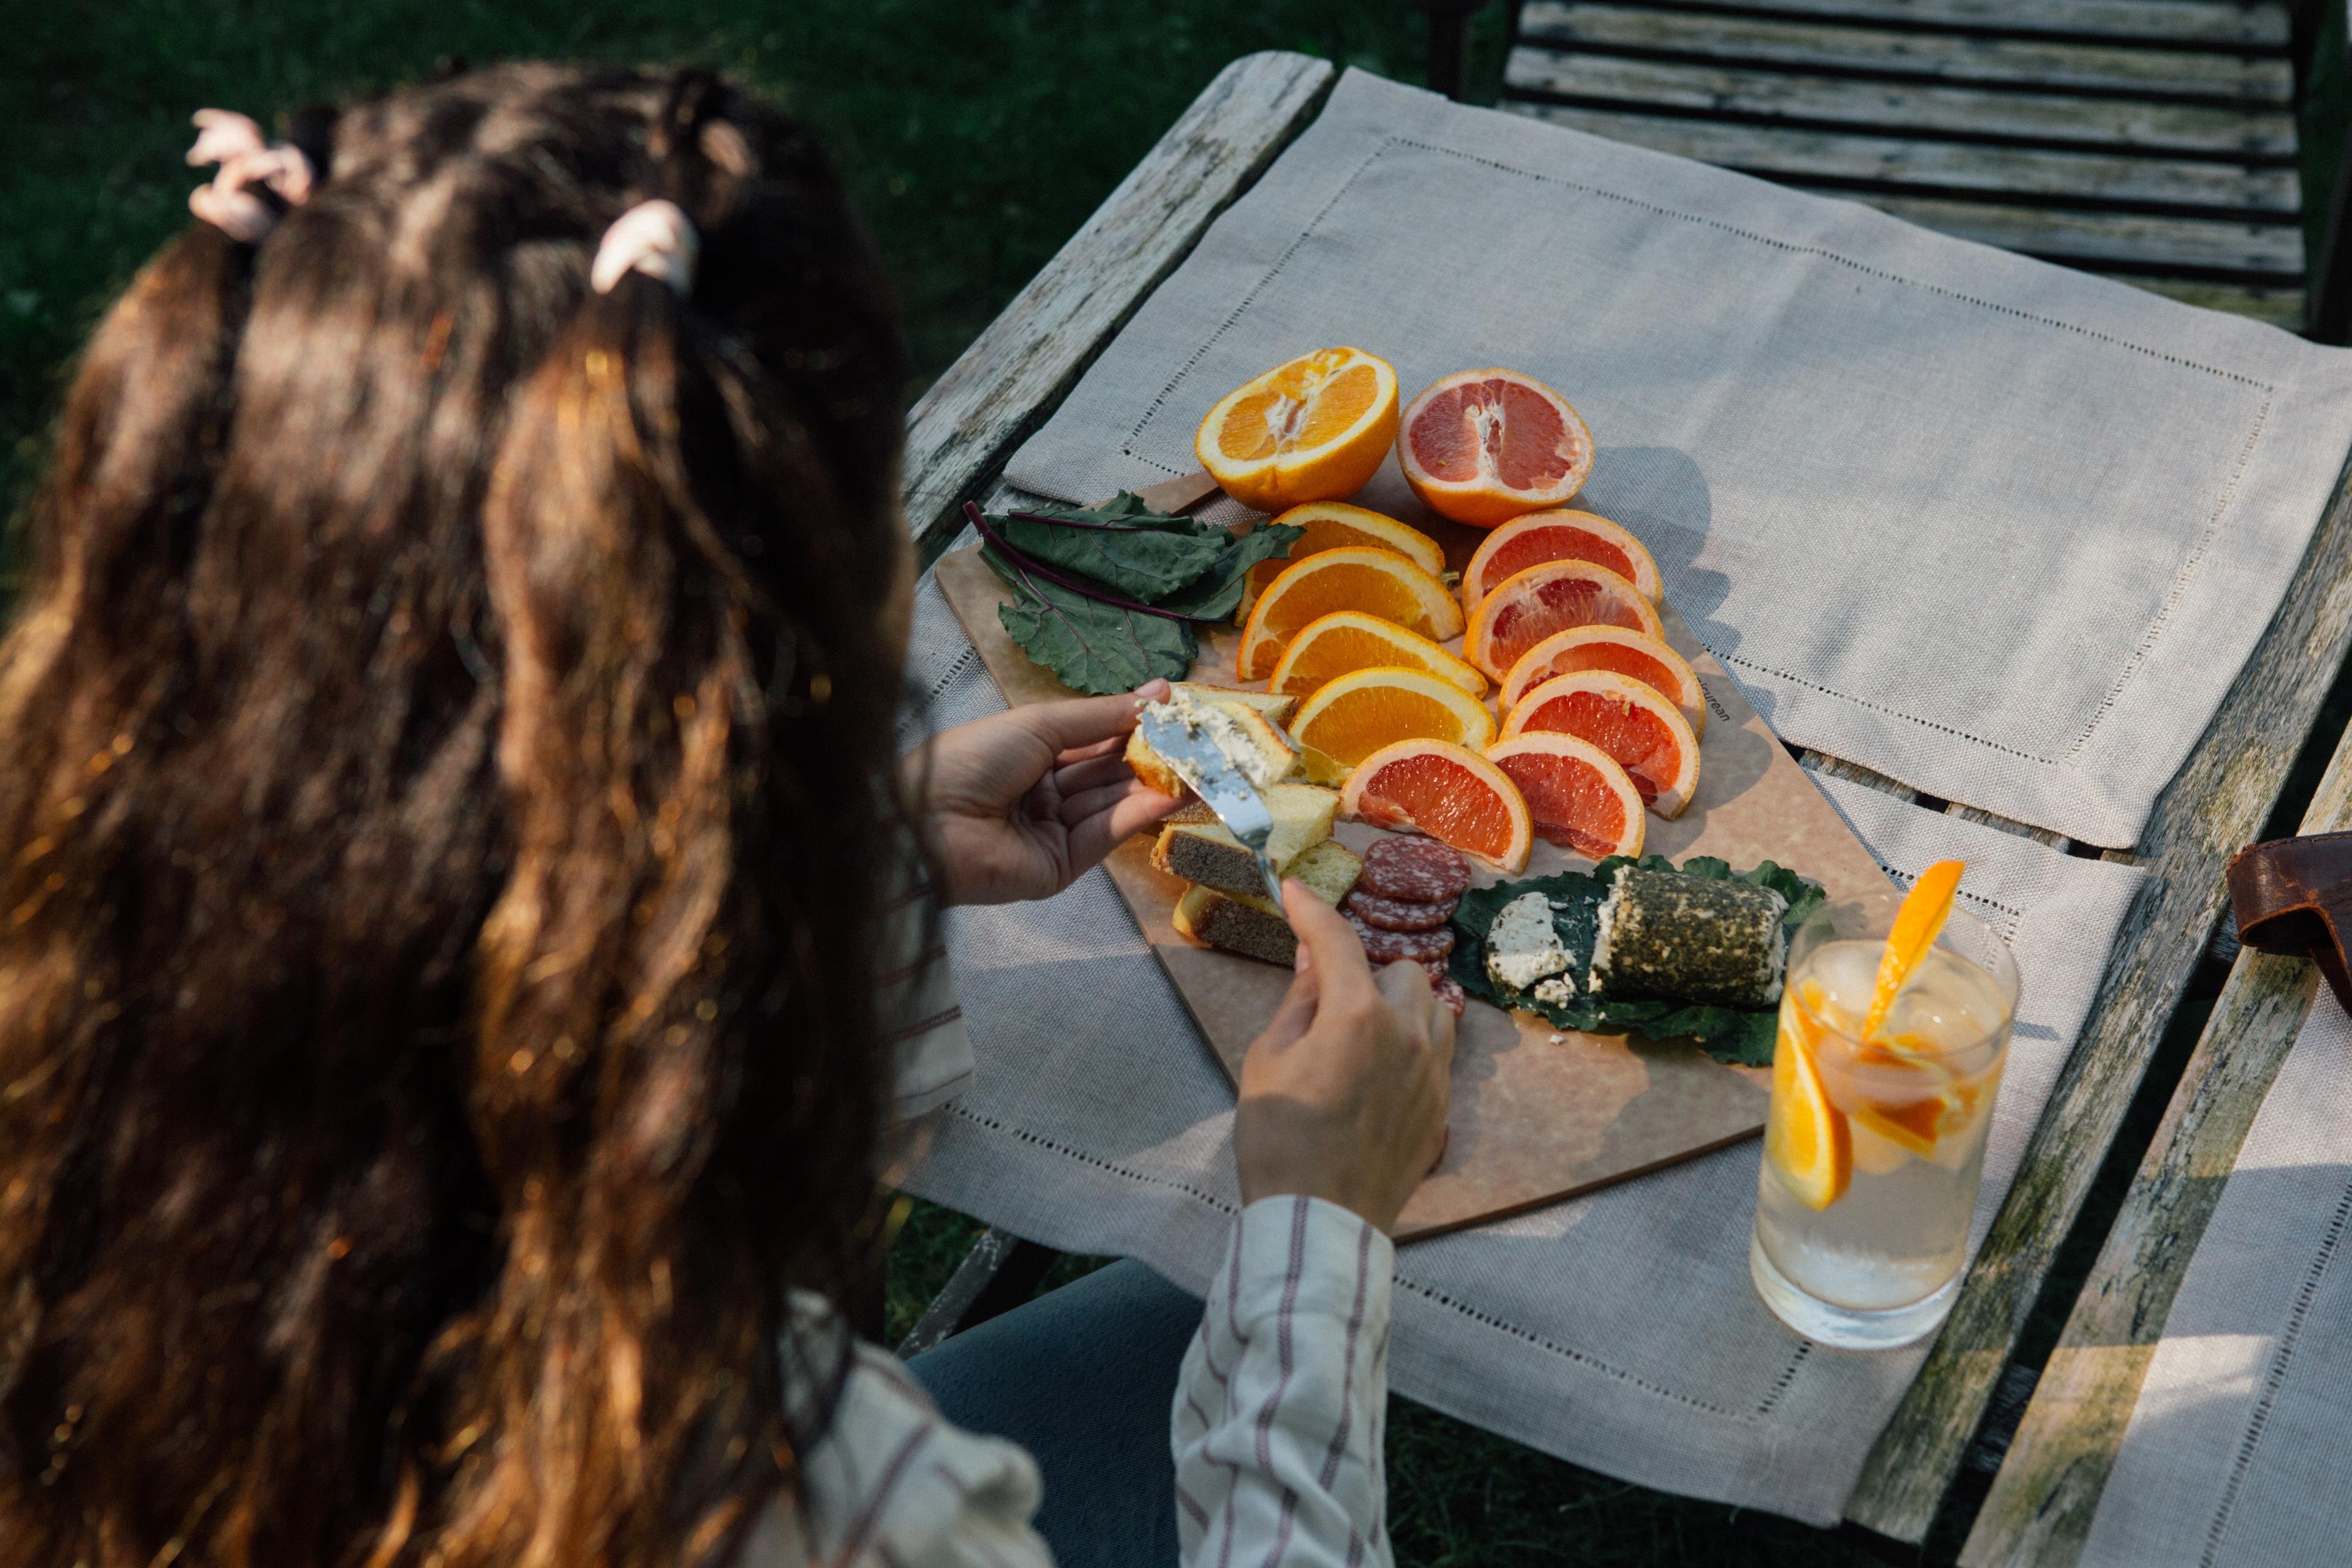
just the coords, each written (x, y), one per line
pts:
(1218, 783)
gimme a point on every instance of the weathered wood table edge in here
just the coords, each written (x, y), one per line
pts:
(1011, 379)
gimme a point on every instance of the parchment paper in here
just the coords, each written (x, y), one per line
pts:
(1538, 1114)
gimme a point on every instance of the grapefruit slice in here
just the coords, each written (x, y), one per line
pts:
(1354, 577)
(1578, 797)
(1542, 536)
(1450, 793)
(1483, 446)
(1645, 734)
(1331, 645)
(1331, 524)
(1530, 606)
(1641, 657)
(1806, 1139)
(1313, 429)
(1351, 717)
(1916, 924)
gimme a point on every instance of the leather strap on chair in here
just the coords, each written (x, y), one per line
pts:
(2294, 895)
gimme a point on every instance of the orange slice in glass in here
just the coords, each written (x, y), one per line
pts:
(1578, 797)
(1916, 924)
(1806, 1138)
(1355, 577)
(1349, 718)
(1313, 429)
(1531, 605)
(1484, 446)
(1638, 655)
(1329, 525)
(1450, 793)
(1542, 536)
(1331, 645)
(1646, 734)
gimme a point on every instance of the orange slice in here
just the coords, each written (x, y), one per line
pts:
(1542, 536)
(1484, 446)
(1646, 734)
(1331, 645)
(1313, 429)
(1355, 577)
(1530, 606)
(1925, 909)
(1940, 1107)
(1454, 795)
(1578, 797)
(1329, 524)
(1641, 657)
(1349, 718)
(1806, 1138)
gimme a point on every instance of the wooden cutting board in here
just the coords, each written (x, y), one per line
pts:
(1538, 1114)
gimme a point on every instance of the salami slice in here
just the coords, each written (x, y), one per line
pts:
(1414, 870)
(1387, 946)
(1399, 915)
(1450, 996)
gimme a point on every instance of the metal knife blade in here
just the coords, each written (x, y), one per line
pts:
(1218, 783)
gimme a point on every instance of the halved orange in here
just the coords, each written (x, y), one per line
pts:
(1645, 734)
(1354, 577)
(1349, 718)
(1530, 606)
(1483, 446)
(1450, 793)
(1313, 429)
(1559, 535)
(1578, 797)
(1806, 1138)
(1331, 645)
(1916, 924)
(1630, 653)
(1329, 524)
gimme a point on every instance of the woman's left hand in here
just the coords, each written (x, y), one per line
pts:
(1022, 802)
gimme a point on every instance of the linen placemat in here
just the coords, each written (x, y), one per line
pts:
(1618, 1330)
(2002, 530)
(2239, 1452)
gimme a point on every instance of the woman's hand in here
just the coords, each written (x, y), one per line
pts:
(1022, 802)
(1344, 1096)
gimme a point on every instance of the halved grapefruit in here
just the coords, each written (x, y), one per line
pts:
(1483, 446)
(1559, 535)
(1578, 797)
(1356, 577)
(1313, 429)
(1450, 793)
(1532, 605)
(1329, 525)
(1646, 734)
(1644, 657)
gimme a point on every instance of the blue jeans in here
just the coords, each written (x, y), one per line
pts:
(1083, 1379)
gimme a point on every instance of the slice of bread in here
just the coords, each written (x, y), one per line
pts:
(1250, 924)
(1273, 705)
(1206, 853)
(1255, 741)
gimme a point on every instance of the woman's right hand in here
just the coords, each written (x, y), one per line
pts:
(1344, 1095)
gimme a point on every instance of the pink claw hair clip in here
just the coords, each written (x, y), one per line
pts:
(230, 204)
(655, 238)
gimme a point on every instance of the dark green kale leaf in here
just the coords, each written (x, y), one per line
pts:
(1090, 646)
(1737, 1035)
(1141, 562)
(1218, 591)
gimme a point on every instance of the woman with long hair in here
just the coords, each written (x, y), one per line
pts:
(463, 927)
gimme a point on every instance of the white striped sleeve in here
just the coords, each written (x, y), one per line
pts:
(1276, 1422)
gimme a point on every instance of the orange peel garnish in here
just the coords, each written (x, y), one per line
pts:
(1917, 925)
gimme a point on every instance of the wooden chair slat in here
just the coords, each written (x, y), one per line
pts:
(2279, 307)
(2250, 253)
(2040, 65)
(2167, 22)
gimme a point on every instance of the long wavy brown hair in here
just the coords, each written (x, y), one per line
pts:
(443, 810)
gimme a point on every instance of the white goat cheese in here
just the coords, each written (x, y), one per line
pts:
(1522, 948)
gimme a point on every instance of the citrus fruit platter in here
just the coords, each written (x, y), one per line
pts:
(1455, 683)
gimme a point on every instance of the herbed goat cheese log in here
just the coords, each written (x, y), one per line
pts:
(1690, 939)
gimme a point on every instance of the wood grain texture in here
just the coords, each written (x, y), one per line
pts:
(2212, 76)
(2257, 251)
(2057, 841)
(2214, 805)
(2173, 22)
(962, 430)
(1897, 164)
(1824, 103)
(2280, 307)
(1854, 772)
(2047, 1493)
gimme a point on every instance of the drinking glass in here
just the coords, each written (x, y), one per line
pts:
(1875, 1148)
